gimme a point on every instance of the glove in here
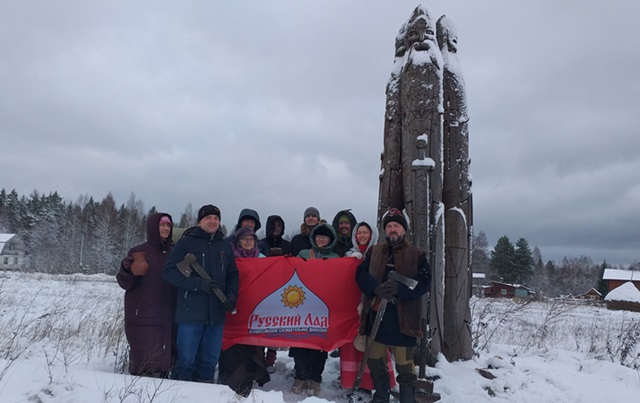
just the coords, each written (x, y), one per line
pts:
(387, 289)
(357, 255)
(126, 263)
(230, 303)
(206, 286)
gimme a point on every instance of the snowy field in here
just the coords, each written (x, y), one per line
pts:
(61, 340)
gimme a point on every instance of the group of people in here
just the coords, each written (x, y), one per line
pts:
(174, 317)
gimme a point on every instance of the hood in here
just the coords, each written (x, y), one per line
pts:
(271, 225)
(374, 234)
(153, 229)
(323, 228)
(347, 212)
(249, 213)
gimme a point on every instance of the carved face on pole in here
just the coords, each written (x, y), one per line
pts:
(419, 34)
(447, 35)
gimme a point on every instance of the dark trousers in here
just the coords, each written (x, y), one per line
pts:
(308, 363)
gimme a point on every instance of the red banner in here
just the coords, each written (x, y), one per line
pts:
(290, 302)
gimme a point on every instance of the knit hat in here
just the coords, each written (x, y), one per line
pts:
(244, 232)
(343, 218)
(311, 211)
(206, 210)
(165, 219)
(324, 230)
(394, 215)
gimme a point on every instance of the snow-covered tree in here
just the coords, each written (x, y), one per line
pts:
(480, 254)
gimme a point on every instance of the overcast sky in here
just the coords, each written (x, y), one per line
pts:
(279, 105)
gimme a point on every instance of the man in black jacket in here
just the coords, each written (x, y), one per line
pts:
(200, 314)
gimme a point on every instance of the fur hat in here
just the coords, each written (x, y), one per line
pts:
(394, 215)
(311, 211)
(208, 209)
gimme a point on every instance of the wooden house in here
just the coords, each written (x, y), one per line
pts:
(478, 284)
(616, 277)
(13, 255)
(591, 295)
(504, 290)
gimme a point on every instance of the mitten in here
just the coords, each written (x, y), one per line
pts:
(126, 263)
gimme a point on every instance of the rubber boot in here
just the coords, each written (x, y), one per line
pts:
(382, 386)
(407, 394)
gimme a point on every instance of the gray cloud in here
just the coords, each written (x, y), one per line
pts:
(279, 105)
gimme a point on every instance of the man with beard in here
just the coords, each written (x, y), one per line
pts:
(301, 241)
(400, 326)
(344, 222)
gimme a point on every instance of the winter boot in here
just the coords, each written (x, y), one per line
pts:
(313, 388)
(299, 386)
(382, 386)
(407, 394)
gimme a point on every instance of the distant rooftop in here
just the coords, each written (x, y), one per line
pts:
(617, 274)
(5, 237)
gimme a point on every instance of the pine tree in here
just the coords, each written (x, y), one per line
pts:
(503, 260)
(523, 261)
(602, 283)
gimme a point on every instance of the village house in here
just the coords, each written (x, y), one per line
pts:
(478, 284)
(616, 277)
(591, 295)
(504, 290)
(13, 255)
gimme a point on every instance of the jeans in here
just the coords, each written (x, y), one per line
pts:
(198, 352)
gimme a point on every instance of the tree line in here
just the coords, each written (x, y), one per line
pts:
(85, 236)
(92, 236)
(519, 264)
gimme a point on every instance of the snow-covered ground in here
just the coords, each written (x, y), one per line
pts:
(61, 340)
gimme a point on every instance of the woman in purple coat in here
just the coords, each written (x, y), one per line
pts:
(149, 303)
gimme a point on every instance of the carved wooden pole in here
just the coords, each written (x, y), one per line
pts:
(411, 176)
(456, 193)
(425, 171)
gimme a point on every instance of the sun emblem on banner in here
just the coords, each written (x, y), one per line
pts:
(293, 296)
